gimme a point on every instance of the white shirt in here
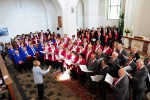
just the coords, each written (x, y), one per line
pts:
(33, 50)
(46, 50)
(53, 51)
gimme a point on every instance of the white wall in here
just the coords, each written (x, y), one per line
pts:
(91, 13)
(80, 14)
(27, 16)
(137, 17)
(103, 21)
(50, 15)
(143, 23)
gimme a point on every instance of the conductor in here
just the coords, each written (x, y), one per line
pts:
(38, 77)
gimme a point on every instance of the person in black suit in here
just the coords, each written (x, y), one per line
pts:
(136, 54)
(113, 64)
(139, 80)
(93, 64)
(121, 86)
(100, 54)
(102, 84)
(130, 62)
(121, 55)
(147, 64)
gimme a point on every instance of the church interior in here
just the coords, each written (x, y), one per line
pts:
(74, 50)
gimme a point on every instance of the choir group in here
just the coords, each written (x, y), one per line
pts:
(100, 50)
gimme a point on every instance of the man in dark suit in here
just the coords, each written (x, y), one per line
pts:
(134, 51)
(121, 86)
(102, 84)
(100, 54)
(113, 64)
(139, 80)
(93, 64)
(147, 64)
(121, 55)
(130, 62)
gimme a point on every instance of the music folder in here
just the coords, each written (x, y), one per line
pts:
(61, 57)
(125, 69)
(97, 78)
(109, 79)
(84, 68)
(149, 77)
(128, 68)
(68, 62)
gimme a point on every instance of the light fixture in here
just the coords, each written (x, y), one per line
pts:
(20, 3)
(72, 9)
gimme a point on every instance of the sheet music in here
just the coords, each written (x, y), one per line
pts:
(97, 78)
(125, 70)
(1, 81)
(61, 57)
(43, 52)
(101, 59)
(128, 68)
(149, 77)
(125, 57)
(128, 74)
(68, 62)
(109, 79)
(84, 68)
(57, 57)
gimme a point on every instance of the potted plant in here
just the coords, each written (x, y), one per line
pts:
(127, 31)
(121, 23)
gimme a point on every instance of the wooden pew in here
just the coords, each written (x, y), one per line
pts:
(8, 80)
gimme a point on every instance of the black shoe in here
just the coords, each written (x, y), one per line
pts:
(43, 98)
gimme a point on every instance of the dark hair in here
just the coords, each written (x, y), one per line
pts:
(105, 61)
(82, 45)
(131, 55)
(82, 55)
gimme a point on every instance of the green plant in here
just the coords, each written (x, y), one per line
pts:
(127, 30)
(121, 23)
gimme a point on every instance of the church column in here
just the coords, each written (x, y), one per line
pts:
(69, 17)
(91, 8)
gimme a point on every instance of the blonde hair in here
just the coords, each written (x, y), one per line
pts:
(36, 63)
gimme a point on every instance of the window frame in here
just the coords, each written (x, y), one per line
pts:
(109, 6)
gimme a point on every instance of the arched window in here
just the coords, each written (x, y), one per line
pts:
(113, 9)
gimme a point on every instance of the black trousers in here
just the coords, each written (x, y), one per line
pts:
(74, 74)
(3, 55)
(60, 65)
(81, 78)
(40, 90)
(102, 89)
(48, 62)
(20, 67)
(148, 84)
(137, 94)
(54, 64)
